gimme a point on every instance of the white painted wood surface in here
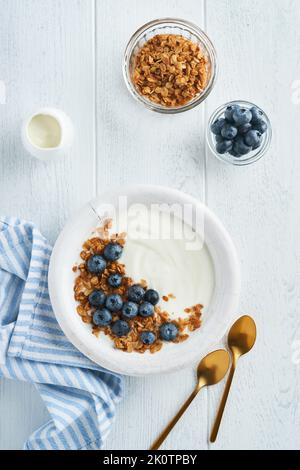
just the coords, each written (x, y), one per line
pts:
(68, 53)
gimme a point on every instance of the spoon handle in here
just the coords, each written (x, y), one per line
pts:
(219, 416)
(156, 445)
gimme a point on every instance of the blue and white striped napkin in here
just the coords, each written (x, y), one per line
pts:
(80, 396)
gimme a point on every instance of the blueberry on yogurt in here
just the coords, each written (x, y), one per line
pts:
(114, 302)
(147, 337)
(102, 317)
(97, 298)
(152, 296)
(115, 280)
(96, 264)
(130, 310)
(113, 251)
(168, 331)
(136, 293)
(120, 328)
(146, 310)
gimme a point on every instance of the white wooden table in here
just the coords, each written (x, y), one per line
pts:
(68, 53)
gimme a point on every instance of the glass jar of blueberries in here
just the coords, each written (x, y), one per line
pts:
(239, 133)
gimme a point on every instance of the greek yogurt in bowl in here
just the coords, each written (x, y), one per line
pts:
(200, 267)
(167, 262)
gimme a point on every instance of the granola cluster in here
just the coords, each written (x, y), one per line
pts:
(86, 283)
(170, 70)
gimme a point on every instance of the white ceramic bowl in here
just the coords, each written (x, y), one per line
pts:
(217, 318)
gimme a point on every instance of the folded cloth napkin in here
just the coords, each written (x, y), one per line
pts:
(80, 396)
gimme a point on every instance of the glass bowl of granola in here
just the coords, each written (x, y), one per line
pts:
(170, 65)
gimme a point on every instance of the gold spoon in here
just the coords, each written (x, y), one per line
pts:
(211, 370)
(241, 339)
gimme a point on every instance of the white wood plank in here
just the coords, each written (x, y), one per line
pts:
(47, 58)
(258, 51)
(22, 412)
(138, 146)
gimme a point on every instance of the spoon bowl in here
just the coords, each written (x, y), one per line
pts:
(213, 368)
(242, 336)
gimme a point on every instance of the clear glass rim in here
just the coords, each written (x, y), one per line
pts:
(201, 35)
(229, 159)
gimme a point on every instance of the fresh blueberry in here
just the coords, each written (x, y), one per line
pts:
(97, 298)
(252, 138)
(115, 280)
(229, 113)
(229, 132)
(152, 296)
(168, 331)
(114, 302)
(234, 154)
(219, 138)
(257, 114)
(147, 337)
(102, 317)
(224, 146)
(113, 251)
(146, 310)
(245, 128)
(136, 293)
(217, 126)
(261, 127)
(130, 310)
(240, 147)
(96, 264)
(120, 328)
(242, 116)
(255, 147)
